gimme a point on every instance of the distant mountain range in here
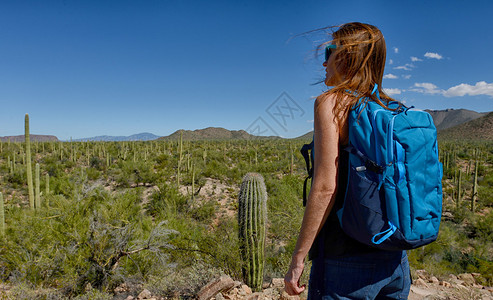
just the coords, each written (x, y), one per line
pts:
(451, 124)
(145, 136)
(477, 129)
(32, 137)
(448, 118)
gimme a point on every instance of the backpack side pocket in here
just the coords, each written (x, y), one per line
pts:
(362, 215)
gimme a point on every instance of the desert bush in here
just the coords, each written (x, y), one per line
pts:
(204, 212)
(82, 241)
(134, 173)
(18, 178)
(167, 202)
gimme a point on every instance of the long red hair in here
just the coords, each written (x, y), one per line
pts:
(359, 64)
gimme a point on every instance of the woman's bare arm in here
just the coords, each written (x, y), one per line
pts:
(323, 190)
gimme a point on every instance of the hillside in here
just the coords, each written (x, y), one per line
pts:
(213, 133)
(448, 118)
(478, 129)
(33, 137)
(307, 136)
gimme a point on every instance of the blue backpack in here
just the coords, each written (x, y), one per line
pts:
(393, 199)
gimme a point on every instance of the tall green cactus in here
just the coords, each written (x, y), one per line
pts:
(252, 219)
(2, 216)
(47, 184)
(291, 169)
(459, 190)
(37, 192)
(474, 195)
(193, 181)
(180, 158)
(29, 169)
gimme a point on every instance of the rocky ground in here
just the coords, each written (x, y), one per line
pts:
(426, 286)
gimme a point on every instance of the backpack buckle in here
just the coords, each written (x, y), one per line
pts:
(373, 166)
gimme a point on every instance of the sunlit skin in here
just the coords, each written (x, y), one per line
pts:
(321, 199)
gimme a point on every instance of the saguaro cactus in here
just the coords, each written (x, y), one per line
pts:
(47, 184)
(459, 190)
(2, 216)
(180, 158)
(474, 193)
(193, 181)
(37, 192)
(291, 169)
(252, 219)
(29, 169)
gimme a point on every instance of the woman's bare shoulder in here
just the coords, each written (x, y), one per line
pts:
(329, 98)
(328, 101)
(325, 102)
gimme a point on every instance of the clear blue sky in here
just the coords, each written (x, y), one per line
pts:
(87, 68)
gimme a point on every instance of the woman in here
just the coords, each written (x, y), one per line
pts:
(343, 268)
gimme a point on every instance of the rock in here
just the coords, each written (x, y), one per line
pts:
(447, 215)
(467, 278)
(418, 292)
(271, 293)
(277, 283)
(88, 287)
(445, 284)
(434, 280)
(422, 274)
(214, 287)
(247, 289)
(145, 294)
(476, 275)
(285, 296)
(255, 296)
(459, 282)
(454, 280)
(265, 285)
(237, 283)
(452, 277)
(122, 288)
(420, 282)
(219, 296)
(130, 298)
(477, 286)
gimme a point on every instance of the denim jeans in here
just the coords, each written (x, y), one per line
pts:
(378, 275)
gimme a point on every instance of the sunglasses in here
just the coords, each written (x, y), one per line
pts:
(329, 50)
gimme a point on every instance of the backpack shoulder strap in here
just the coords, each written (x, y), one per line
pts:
(307, 152)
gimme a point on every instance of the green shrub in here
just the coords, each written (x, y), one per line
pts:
(204, 212)
(166, 202)
(81, 242)
(93, 173)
